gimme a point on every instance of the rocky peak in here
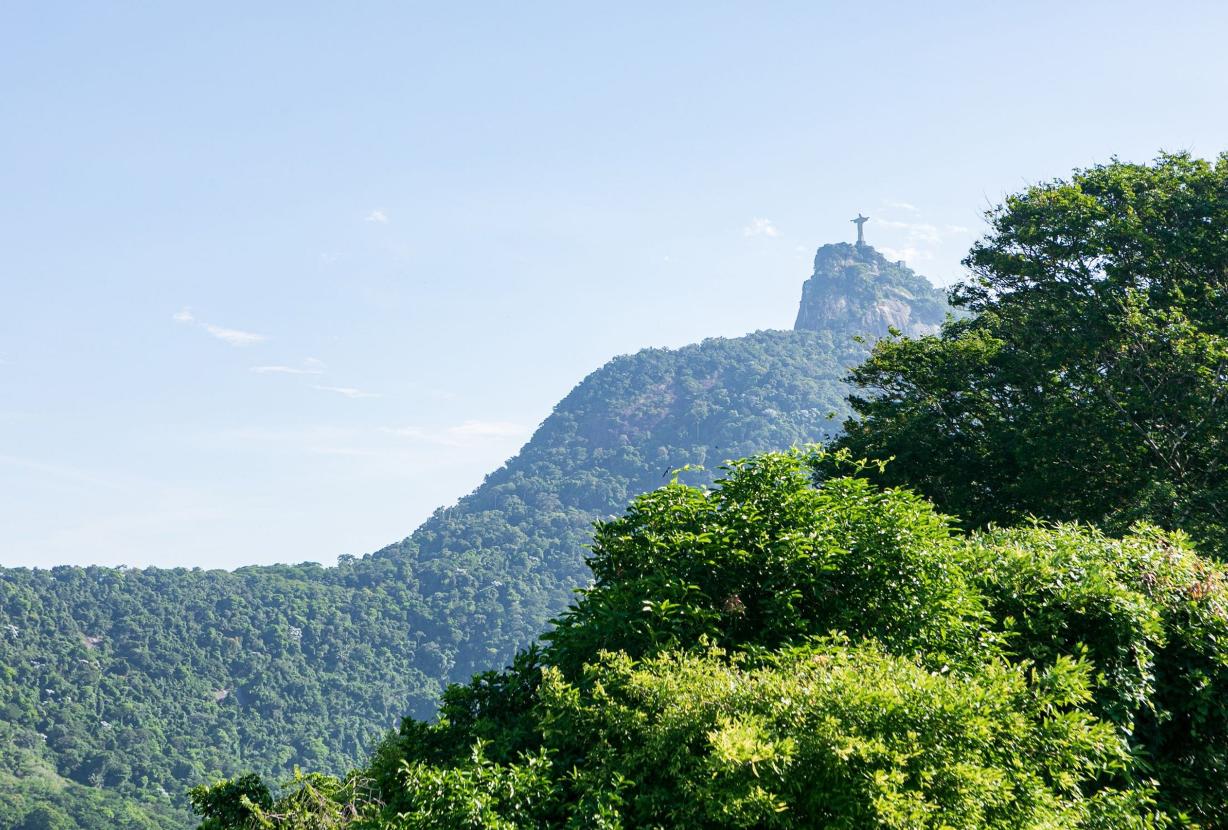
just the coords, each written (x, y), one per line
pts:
(856, 290)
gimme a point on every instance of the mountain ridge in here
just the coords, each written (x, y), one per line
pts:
(316, 662)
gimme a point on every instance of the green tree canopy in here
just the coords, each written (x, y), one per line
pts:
(768, 560)
(1091, 382)
(876, 670)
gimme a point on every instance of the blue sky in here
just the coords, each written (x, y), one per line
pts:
(276, 280)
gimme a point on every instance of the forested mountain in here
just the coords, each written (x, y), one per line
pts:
(139, 683)
(812, 643)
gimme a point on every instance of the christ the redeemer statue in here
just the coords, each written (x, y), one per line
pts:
(860, 221)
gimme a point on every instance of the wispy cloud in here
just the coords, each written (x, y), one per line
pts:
(347, 391)
(761, 227)
(907, 254)
(235, 337)
(376, 216)
(310, 366)
(407, 432)
(908, 237)
(918, 238)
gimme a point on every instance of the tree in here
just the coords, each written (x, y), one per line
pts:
(231, 802)
(875, 670)
(768, 560)
(1091, 382)
(46, 818)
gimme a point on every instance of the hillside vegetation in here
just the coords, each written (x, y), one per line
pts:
(813, 644)
(141, 683)
(795, 649)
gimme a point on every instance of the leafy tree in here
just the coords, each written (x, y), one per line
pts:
(1092, 381)
(878, 671)
(46, 818)
(231, 803)
(768, 560)
(308, 802)
(1149, 614)
(838, 736)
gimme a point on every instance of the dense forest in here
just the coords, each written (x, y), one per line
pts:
(813, 643)
(996, 600)
(122, 688)
(803, 648)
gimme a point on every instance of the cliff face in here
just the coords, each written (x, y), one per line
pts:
(856, 290)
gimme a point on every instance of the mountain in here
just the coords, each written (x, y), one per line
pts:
(512, 551)
(120, 688)
(855, 289)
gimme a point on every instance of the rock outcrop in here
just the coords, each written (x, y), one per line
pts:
(856, 290)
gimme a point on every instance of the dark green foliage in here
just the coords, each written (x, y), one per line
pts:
(145, 682)
(1150, 615)
(141, 682)
(1047, 677)
(307, 802)
(768, 560)
(34, 797)
(230, 803)
(836, 737)
(1092, 383)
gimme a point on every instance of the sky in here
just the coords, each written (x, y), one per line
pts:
(279, 279)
